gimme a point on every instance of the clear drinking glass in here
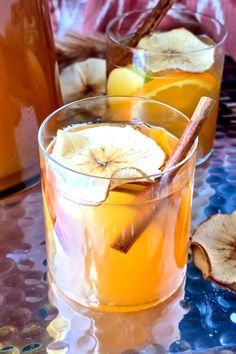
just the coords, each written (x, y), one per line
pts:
(29, 89)
(82, 264)
(178, 88)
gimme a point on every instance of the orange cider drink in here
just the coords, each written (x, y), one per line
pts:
(29, 89)
(177, 64)
(98, 157)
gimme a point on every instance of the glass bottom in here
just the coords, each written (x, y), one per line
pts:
(12, 191)
(204, 158)
(78, 307)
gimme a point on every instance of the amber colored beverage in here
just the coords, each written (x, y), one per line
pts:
(81, 262)
(29, 89)
(179, 88)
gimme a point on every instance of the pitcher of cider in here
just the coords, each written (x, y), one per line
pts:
(29, 89)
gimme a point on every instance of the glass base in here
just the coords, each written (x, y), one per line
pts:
(204, 158)
(13, 191)
(81, 307)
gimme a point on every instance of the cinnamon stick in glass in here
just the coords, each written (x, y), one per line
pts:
(153, 19)
(131, 233)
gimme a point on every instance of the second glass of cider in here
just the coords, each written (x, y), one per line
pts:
(178, 63)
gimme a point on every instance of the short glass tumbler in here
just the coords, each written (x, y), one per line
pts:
(179, 88)
(82, 265)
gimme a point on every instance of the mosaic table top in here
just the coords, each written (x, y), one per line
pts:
(199, 318)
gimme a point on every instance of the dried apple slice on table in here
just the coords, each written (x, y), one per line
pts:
(214, 249)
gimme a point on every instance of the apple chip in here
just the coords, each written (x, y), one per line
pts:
(177, 49)
(214, 249)
(83, 78)
(105, 157)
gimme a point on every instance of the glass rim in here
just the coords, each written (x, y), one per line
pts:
(156, 175)
(147, 52)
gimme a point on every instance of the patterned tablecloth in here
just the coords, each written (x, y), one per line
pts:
(199, 318)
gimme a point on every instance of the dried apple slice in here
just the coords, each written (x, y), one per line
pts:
(177, 49)
(214, 249)
(82, 77)
(107, 152)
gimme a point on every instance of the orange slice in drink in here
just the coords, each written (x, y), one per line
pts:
(181, 90)
(161, 137)
(182, 227)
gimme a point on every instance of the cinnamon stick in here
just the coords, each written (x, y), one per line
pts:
(154, 18)
(131, 233)
(151, 21)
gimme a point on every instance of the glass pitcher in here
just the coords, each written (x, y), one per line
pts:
(29, 88)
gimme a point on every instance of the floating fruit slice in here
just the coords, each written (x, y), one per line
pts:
(177, 49)
(160, 136)
(214, 249)
(178, 89)
(106, 152)
(123, 81)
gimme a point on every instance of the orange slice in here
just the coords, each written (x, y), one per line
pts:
(181, 90)
(182, 228)
(160, 136)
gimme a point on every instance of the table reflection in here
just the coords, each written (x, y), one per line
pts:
(102, 332)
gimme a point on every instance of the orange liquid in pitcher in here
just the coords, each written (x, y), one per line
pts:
(29, 90)
(88, 271)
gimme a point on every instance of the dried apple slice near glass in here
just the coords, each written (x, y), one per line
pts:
(214, 249)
